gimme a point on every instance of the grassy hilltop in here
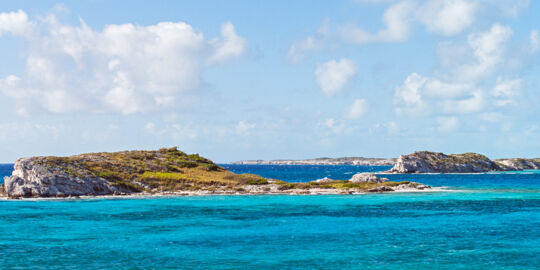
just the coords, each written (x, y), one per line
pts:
(167, 169)
(151, 172)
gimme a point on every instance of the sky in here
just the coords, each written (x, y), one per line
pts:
(235, 80)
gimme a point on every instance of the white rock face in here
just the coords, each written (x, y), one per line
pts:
(35, 180)
(518, 164)
(367, 177)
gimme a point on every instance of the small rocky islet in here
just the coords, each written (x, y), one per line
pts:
(167, 171)
(434, 162)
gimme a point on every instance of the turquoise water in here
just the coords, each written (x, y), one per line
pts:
(490, 221)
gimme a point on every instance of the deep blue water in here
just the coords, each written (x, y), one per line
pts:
(489, 221)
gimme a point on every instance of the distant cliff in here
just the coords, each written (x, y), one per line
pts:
(433, 162)
(324, 161)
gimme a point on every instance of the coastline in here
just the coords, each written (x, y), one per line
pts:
(295, 192)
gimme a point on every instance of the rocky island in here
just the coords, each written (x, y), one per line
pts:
(167, 171)
(434, 162)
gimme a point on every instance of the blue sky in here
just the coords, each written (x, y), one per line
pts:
(238, 80)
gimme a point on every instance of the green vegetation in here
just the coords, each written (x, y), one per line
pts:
(169, 169)
(166, 169)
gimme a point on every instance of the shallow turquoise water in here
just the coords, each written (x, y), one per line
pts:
(476, 227)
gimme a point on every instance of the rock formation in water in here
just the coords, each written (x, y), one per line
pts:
(519, 164)
(433, 162)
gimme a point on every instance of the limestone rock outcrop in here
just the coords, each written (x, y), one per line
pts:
(367, 178)
(432, 162)
(30, 178)
(519, 164)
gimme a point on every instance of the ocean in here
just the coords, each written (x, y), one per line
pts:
(482, 221)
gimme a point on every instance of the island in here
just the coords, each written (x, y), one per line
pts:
(435, 162)
(167, 171)
(324, 161)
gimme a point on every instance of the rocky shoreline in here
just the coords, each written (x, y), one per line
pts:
(292, 192)
(165, 171)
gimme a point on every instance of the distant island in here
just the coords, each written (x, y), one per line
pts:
(324, 161)
(167, 171)
(419, 162)
(434, 162)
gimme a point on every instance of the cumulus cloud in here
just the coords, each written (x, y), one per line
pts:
(505, 90)
(122, 68)
(333, 75)
(408, 97)
(488, 48)
(357, 109)
(448, 17)
(396, 19)
(442, 17)
(229, 46)
(417, 92)
(466, 91)
(16, 23)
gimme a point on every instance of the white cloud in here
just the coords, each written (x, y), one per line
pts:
(420, 95)
(244, 127)
(408, 97)
(464, 89)
(534, 38)
(300, 48)
(397, 20)
(357, 109)
(15, 23)
(436, 88)
(488, 49)
(123, 68)
(447, 124)
(506, 88)
(333, 75)
(448, 17)
(231, 45)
